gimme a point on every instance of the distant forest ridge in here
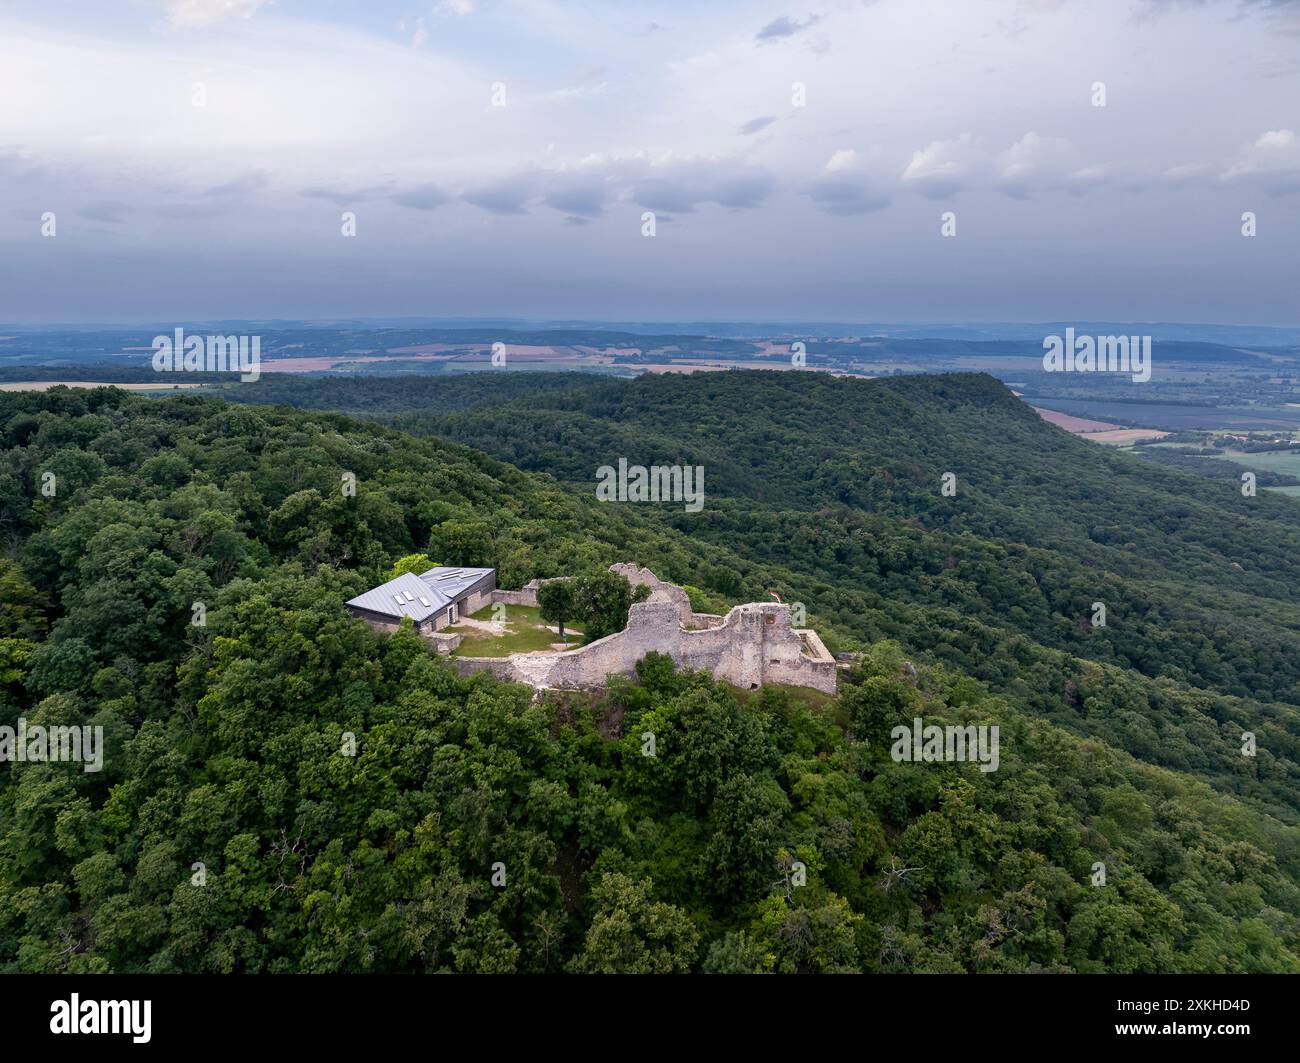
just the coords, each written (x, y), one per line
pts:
(1285, 335)
(379, 350)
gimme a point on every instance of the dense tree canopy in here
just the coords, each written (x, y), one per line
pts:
(827, 492)
(284, 789)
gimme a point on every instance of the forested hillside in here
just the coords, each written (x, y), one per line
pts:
(477, 830)
(828, 491)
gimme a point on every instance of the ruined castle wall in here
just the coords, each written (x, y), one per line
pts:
(526, 595)
(754, 644)
(651, 626)
(501, 667)
(444, 642)
(659, 591)
(520, 597)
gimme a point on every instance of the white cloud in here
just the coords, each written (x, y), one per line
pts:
(1187, 173)
(1272, 160)
(1033, 163)
(187, 14)
(1276, 139)
(940, 169)
(844, 159)
(846, 186)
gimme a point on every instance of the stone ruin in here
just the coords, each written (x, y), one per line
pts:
(752, 645)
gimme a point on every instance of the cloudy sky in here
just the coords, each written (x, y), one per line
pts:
(198, 157)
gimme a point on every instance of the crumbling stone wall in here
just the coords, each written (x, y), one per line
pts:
(501, 667)
(526, 595)
(752, 645)
(444, 642)
(659, 590)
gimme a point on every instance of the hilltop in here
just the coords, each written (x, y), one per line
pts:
(828, 492)
(230, 830)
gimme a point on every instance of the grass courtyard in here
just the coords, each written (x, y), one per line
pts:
(523, 631)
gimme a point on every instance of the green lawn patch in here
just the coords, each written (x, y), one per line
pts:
(523, 631)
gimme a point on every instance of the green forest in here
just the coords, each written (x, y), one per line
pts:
(285, 790)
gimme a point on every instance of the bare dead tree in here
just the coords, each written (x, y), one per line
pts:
(896, 874)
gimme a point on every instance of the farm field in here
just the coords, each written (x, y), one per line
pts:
(45, 385)
(1176, 417)
(1098, 431)
(1283, 461)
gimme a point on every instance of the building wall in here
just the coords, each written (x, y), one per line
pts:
(479, 595)
(477, 599)
(377, 622)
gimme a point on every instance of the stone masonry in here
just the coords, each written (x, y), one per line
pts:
(752, 645)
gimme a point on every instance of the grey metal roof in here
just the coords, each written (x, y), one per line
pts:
(450, 582)
(419, 597)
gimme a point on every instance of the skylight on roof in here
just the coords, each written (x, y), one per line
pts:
(397, 598)
(424, 601)
(409, 598)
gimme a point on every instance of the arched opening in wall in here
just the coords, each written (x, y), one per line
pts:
(753, 686)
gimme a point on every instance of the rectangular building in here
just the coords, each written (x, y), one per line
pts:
(432, 599)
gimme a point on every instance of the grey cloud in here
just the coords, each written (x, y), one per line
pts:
(510, 195)
(1287, 186)
(421, 197)
(845, 194)
(1279, 183)
(684, 186)
(1081, 182)
(1035, 163)
(107, 211)
(342, 196)
(939, 170)
(743, 190)
(206, 208)
(756, 125)
(784, 26)
(581, 195)
(239, 186)
(665, 195)
(16, 162)
(1016, 188)
(936, 187)
(1278, 16)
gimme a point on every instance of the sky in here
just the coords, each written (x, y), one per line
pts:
(199, 159)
